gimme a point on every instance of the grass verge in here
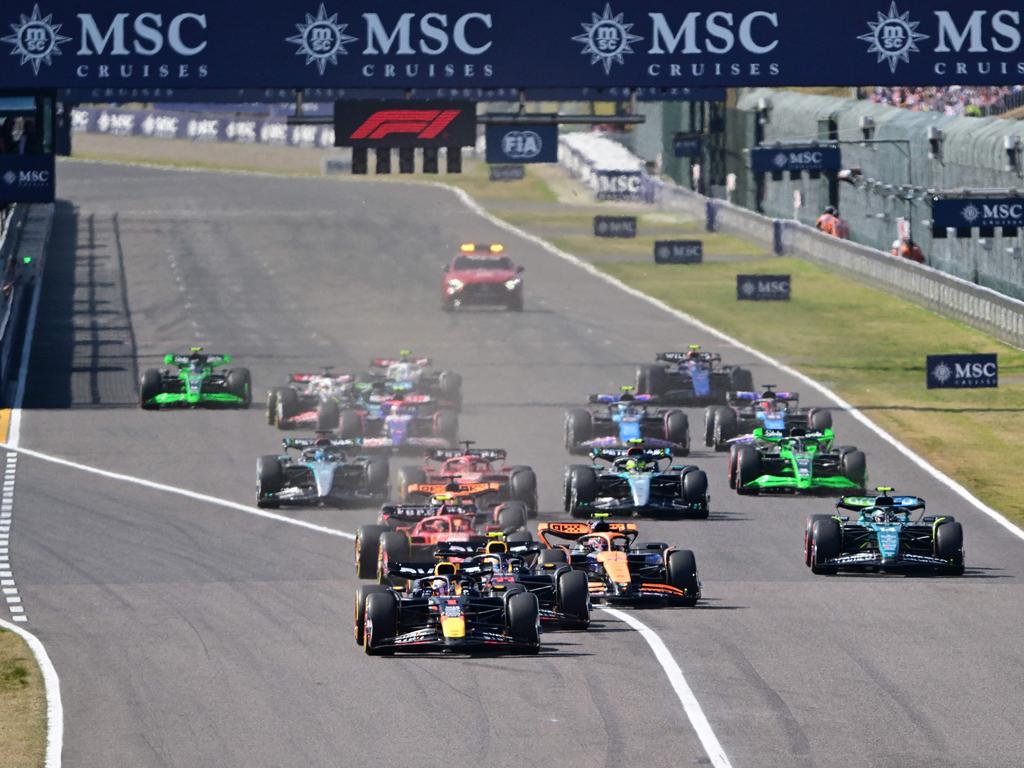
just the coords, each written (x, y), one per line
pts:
(22, 705)
(865, 344)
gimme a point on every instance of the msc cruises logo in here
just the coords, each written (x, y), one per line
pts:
(893, 37)
(970, 213)
(942, 373)
(606, 38)
(36, 39)
(321, 39)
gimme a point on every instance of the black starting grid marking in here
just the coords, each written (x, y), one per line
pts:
(7, 583)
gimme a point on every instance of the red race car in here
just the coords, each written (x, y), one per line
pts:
(470, 472)
(482, 274)
(405, 530)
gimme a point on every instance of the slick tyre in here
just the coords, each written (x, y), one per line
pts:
(522, 483)
(239, 384)
(394, 548)
(572, 596)
(579, 427)
(524, 621)
(328, 416)
(556, 556)
(826, 543)
(681, 566)
(819, 419)
(748, 469)
(741, 380)
(733, 456)
(150, 385)
(677, 431)
(287, 406)
(367, 549)
(363, 591)
(408, 476)
(710, 414)
(949, 545)
(855, 467)
(270, 478)
(350, 426)
(583, 490)
(726, 428)
(446, 426)
(378, 471)
(272, 406)
(651, 380)
(381, 623)
(512, 516)
(449, 384)
(695, 492)
(808, 544)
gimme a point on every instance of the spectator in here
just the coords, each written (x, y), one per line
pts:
(831, 224)
(954, 100)
(906, 248)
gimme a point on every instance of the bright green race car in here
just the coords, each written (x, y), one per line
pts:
(796, 461)
(195, 383)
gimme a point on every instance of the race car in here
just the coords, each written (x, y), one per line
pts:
(884, 537)
(439, 611)
(639, 481)
(768, 408)
(410, 422)
(482, 274)
(626, 417)
(309, 400)
(196, 382)
(403, 530)
(414, 375)
(476, 474)
(618, 569)
(794, 461)
(325, 471)
(693, 377)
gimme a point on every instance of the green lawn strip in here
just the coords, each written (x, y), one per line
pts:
(22, 705)
(869, 347)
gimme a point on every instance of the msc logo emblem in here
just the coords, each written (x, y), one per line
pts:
(321, 39)
(780, 160)
(36, 39)
(970, 213)
(942, 373)
(10, 177)
(606, 38)
(893, 37)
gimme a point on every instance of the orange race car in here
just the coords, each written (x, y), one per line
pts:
(470, 472)
(618, 569)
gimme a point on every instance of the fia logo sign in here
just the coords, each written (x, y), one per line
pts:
(522, 145)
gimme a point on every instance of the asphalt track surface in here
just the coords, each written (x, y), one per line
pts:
(188, 634)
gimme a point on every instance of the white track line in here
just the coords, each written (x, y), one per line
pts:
(940, 476)
(675, 676)
(194, 495)
(51, 683)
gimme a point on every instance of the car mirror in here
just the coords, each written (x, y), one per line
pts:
(520, 270)
(446, 268)
(168, 359)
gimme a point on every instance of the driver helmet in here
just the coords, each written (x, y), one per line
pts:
(596, 544)
(694, 352)
(439, 586)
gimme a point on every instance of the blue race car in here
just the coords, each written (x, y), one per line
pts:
(883, 538)
(639, 481)
(693, 377)
(623, 419)
(770, 409)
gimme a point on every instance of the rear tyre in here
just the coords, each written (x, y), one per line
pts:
(239, 384)
(742, 380)
(572, 596)
(449, 383)
(579, 427)
(270, 475)
(582, 490)
(949, 545)
(381, 623)
(287, 406)
(522, 484)
(377, 472)
(682, 574)
(748, 468)
(150, 385)
(367, 549)
(652, 380)
(733, 454)
(695, 491)
(855, 467)
(826, 543)
(363, 591)
(524, 621)
(272, 406)
(516, 304)
(394, 548)
(726, 428)
(327, 416)
(519, 537)
(557, 556)
(677, 430)
(446, 426)
(819, 419)
(512, 516)
(808, 544)
(710, 413)
(409, 476)
(350, 426)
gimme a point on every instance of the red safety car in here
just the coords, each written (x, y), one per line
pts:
(482, 274)
(480, 473)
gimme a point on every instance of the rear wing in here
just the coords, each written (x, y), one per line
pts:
(213, 360)
(487, 454)
(611, 454)
(609, 399)
(456, 488)
(412, 570)
(385, 362)
(301, 443)
(305, 378)
(572, 530)
(778, 435)
(751, 396)
(682, 357)
(411, 513)
(902, 503)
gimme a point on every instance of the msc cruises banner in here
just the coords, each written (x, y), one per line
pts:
(490, 44)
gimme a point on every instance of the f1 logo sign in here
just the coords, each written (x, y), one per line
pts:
(404, 123)
(424, 123)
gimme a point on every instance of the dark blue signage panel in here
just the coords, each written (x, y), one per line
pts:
(686, 146)
(491, 44)
(804, 158)
(763, 287)
(522, 143)
(615, 226)
(678, 251)
(26, 178)
(966, 212)
(963, 371)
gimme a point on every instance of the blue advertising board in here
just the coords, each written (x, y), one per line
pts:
(522, 143)
(763, 287)
(967, 212)
(810, 157)
(492, 44)
(962, 371)
(26, 178)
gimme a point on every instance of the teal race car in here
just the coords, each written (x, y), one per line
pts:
(795, 461)
(884, 537)
(194, 382)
